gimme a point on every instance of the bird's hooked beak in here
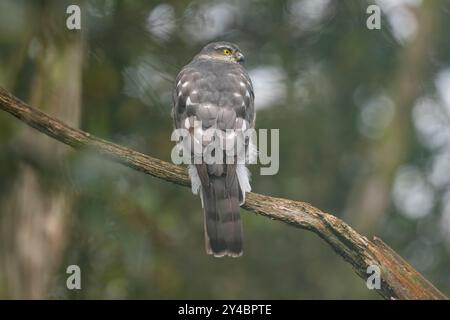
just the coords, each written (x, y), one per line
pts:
(239, 57)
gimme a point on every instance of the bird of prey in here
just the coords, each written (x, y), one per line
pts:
(215, 88)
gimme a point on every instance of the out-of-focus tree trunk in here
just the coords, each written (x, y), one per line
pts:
(36, 211)
(370, 196)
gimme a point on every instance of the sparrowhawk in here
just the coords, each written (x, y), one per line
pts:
(215, 88)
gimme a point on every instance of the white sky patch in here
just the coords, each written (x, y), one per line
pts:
(401, 18)
(432, 123)
(210, 21)
(439, 174)
(161, 21)
(392, 4)
(306, 14)
(445, 217)
(375, 116)
(412, 195)
(268, 85)
(442, 83)
(404, 24)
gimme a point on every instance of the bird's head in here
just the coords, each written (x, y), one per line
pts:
(224, 51)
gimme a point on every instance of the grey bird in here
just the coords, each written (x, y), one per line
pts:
(215, 88)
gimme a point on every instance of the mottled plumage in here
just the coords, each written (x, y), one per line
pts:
(215, 88)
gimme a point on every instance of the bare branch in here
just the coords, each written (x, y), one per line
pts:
(399, 280)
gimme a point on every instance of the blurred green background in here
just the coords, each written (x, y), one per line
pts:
(364, 119)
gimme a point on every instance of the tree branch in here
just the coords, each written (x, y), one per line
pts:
(399, 280)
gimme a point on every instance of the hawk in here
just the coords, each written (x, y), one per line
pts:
(215, 90)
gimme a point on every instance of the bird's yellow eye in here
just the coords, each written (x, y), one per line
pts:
(226, 52)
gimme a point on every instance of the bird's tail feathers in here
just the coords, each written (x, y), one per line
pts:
(223, 226)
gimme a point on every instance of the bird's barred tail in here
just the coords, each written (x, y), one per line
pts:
(223, 227)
